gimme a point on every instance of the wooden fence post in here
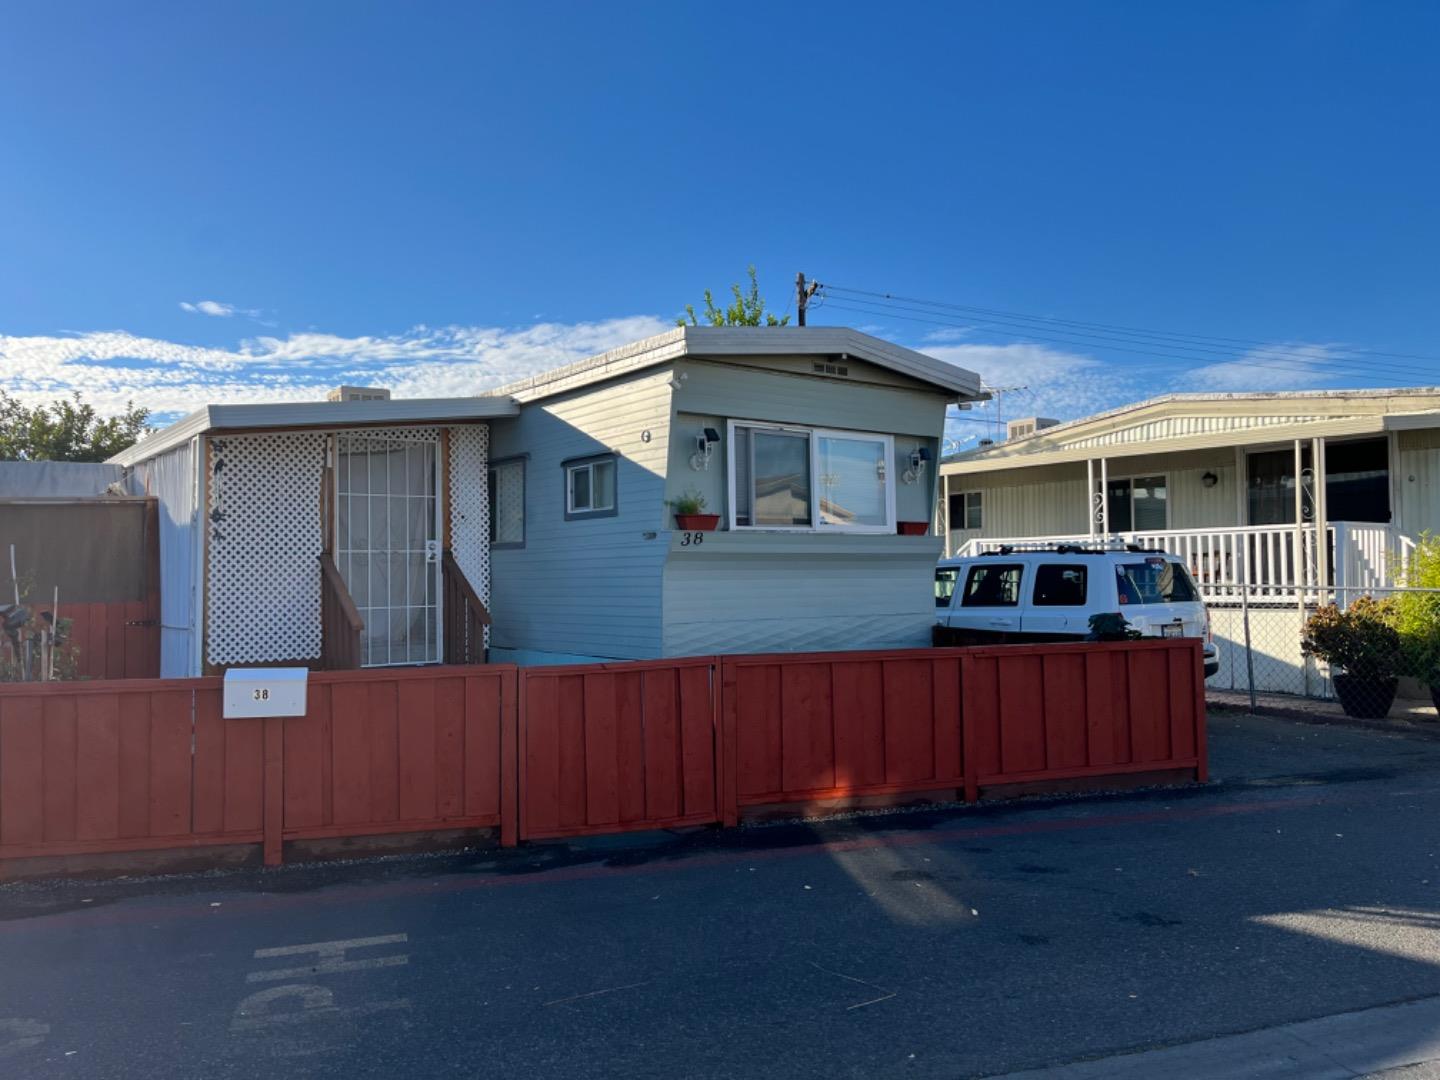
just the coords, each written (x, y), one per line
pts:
(726, 748)
(510, 763)
(967, 732)
(274, 801)
(1202, 766)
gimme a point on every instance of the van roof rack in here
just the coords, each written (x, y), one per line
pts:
(1072, 549)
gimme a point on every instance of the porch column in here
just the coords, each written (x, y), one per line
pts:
(1104, 498)
(944, 515)
(1322, 516)
(1090, 495)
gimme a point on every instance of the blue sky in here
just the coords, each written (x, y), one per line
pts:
(203, 202)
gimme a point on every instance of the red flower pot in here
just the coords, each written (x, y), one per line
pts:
(914, 528)
(697, 522)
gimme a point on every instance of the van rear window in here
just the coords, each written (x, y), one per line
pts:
(1154, 581)
(945, 585)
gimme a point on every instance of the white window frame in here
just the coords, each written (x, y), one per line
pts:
(589, 466)
(965, 525)
(813, 435)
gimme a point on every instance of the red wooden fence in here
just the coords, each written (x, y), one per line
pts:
(617, 747)
(119, 640)
(826, 725)
(143, 765)
(565, 751)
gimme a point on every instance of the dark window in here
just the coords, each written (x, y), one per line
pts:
(1357, 480)
(992, 586)
(1154, 581)
(966, 510)
(945, 585)
(1059, 586)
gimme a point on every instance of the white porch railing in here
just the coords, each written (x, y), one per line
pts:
(1272, 561)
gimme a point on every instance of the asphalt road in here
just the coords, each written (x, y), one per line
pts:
(948, 943)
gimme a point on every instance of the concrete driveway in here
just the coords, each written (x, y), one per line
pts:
(1302, 884)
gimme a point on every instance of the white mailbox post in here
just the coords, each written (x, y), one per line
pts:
(276, 691)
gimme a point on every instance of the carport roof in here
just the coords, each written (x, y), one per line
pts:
(291, 415)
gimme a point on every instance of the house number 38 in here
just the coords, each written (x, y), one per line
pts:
(262, 694)
(692, 539)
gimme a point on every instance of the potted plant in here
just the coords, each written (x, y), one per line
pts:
(1417, 616)
(1111, 626)
(913, 528)
(1362, 647)
(689, 513)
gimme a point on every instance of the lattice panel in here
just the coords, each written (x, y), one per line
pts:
(396, 434)
(264, 537)
(470, 506)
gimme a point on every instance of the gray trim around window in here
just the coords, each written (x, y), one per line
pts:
(523, 461)
(588, 459)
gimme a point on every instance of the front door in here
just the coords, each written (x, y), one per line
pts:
(387, 546)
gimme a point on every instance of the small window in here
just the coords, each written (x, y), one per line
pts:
(590, 487)
(965, 510)
(992, 586)
(507, 503)
(1058, 585)
(945, 578)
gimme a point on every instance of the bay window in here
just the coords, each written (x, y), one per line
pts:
(784, 477)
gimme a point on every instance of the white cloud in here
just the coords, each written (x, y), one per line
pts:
(113, 367)
(216, 308)
(1287, 366)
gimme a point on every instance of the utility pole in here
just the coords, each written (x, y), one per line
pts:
(803, 293)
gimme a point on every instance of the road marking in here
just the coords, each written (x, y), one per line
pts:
(18, 1033)
(316, 1003)
(331, 958)
(304, 1002)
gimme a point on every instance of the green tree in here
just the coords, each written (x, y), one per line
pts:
(747, 310)
(66, 430)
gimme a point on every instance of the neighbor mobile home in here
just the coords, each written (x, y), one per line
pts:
(537, 518)
(1239, 484)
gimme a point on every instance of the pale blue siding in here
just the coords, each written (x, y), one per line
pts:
(591, 587)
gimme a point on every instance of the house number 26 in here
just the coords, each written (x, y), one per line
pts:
(692, 539)
(263, 694)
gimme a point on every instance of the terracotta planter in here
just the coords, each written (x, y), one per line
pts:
(1365, 699)
(913, 528)
(697, 522)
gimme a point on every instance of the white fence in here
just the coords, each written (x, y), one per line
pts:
(1275, 562)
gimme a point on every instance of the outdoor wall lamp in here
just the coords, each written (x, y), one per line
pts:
(1209, 479)
(918, 458)
(704, 447)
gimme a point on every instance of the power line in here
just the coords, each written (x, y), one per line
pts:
(1293, 366)
(1358, 353)
(1284, 355)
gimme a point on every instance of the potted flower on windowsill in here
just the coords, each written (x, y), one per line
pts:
(1362, 647)
(689, 513)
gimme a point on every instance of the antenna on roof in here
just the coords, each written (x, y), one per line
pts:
(996, 393)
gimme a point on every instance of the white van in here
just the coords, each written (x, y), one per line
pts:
(1014, 597)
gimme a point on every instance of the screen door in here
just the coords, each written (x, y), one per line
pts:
(386, 545)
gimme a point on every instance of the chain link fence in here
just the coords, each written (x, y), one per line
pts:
(1383, 644)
